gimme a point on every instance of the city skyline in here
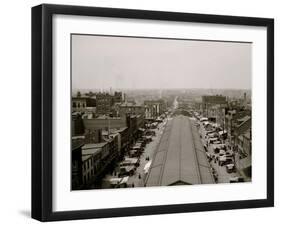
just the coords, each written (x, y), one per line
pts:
(120, 63)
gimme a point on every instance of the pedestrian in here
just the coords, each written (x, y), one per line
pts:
(139, 176)
(216, 178)
(133, 185)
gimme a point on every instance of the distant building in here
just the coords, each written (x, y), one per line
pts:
(80, 104)
(104, 102)
(213, 100)
(118, 97)
(130, 108)
(154, 108)
(213, 107)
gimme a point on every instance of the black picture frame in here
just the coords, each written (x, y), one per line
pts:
(42, 111)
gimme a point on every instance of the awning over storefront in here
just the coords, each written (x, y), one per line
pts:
(114, 181)
(124, 180)
(147, 166)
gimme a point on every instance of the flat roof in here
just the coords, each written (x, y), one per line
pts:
(76, 143)
(85, 157)
(92, 151)
(93, 145)
(180, 156)
(121, 129)
(248, 134)
(128, 104)
(245, 118)
(106, 117)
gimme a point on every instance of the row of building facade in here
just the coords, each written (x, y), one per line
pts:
(232, 116)
(116, 105)
(103, 128)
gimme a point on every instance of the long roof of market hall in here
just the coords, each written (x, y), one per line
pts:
(180, 156)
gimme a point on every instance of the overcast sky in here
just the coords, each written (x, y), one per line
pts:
(100, 62)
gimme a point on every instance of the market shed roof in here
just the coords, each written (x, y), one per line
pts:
(180, 157)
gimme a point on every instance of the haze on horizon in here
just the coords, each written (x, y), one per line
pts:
(104, 62)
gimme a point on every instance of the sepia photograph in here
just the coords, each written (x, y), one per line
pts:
(139, 112)
(148, 111)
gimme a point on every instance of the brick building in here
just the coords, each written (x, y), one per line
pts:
(213, 107)
(104, 102)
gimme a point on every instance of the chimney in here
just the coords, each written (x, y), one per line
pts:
(245, 100)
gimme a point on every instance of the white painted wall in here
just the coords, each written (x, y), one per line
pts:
(15, 92)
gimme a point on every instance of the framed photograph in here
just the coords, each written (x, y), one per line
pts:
(140, 112)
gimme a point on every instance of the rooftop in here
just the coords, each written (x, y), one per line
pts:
(180, 156)
(245, 118)
(92, 151)
(129, 104)
(85, 157)
(94, 145)
(106, 117)
(77, 143)
(121, 129)
(248, 134)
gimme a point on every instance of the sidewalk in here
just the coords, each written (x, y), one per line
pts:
(138, 179)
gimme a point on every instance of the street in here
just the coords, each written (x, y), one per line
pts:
(223, 175)
(138, 178)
